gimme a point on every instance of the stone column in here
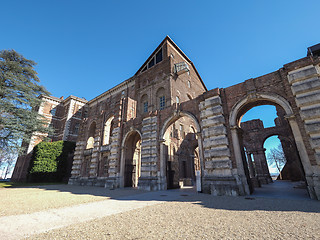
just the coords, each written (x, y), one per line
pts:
(162, 184)
(149, 178)
(252, 171)
(238, 156)
(262, 171)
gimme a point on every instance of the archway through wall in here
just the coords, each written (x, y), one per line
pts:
(181, 153)
(283, 159)
(250, 135)
(131, 159)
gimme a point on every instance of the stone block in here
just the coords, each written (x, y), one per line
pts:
(305, 85)
(218, 164)
(149, 135)
(212, 121)
(219, 152)
(313, 126)
(212, 101)
(149, 151)
(214, 131)
(310, 112)
(308, 97)
(211, 112)
(303, 73)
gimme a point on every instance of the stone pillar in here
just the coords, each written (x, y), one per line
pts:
(242, 181)
(252, 171)
(76, 164)
(304, 83)
(218, 176)
(262, 171)
(113, 180)
(162, 184)
(149, 178)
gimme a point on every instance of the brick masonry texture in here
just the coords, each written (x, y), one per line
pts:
(162, 127)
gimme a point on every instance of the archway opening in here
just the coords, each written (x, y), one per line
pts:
(283, 159)
(268, 144)
(181, 153)
(132, 160)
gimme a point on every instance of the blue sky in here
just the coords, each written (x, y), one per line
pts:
(84, 48)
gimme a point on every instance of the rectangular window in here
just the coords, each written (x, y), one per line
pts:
(151, 63)
(145, 107)
(76, 129)
(162, 102)
(159, 56)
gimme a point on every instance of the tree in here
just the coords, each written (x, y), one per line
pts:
(19, 100)
(277, 158)
(7, 160)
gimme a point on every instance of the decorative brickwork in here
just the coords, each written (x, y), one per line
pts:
(167, 130)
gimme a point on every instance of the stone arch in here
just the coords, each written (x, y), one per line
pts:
(293, 167)
(175, 117)
(130, 148)
(256, 99)
(253, 100)
(107, 131)
(167, 123)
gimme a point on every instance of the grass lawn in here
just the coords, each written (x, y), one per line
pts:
(23, 184)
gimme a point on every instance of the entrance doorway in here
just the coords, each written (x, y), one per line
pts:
(132, 160)
(182, 161)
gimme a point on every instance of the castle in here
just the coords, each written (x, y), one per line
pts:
(162, 128)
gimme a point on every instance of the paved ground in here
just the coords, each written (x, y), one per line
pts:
(283, 190)
(129, 214)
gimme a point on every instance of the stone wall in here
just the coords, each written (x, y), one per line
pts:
(218, 178)
(305, 85)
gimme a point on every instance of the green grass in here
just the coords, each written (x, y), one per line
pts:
(19, 184)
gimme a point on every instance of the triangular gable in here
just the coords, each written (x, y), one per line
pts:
(167, 38)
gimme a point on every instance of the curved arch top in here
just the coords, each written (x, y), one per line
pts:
(128, 134)
(175, 117)
(256, 97)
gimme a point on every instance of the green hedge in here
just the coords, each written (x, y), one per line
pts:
(51, 161)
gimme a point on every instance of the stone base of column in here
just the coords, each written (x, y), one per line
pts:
(112, 183)
(74, 181)
(99, 182)
(255, 182)
(107, 182)
(148, 183)
(263, 179)
(313, 186)
(221, 186)
(81, 181)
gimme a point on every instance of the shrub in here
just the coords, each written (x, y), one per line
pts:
(51, 161)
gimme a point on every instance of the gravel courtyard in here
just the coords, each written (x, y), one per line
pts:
(189, 216)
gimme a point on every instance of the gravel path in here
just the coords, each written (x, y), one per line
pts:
(132, 214)
(204, 217)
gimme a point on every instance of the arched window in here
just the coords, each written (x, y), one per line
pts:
(177, 99)
(107, 131)
(161, 99)
(144, 103)
(90, 141)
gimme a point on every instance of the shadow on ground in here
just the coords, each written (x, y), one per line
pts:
(279, 196)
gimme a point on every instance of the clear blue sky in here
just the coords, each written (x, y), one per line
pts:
(84, 48)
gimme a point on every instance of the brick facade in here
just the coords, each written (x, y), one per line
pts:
(162, 128)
